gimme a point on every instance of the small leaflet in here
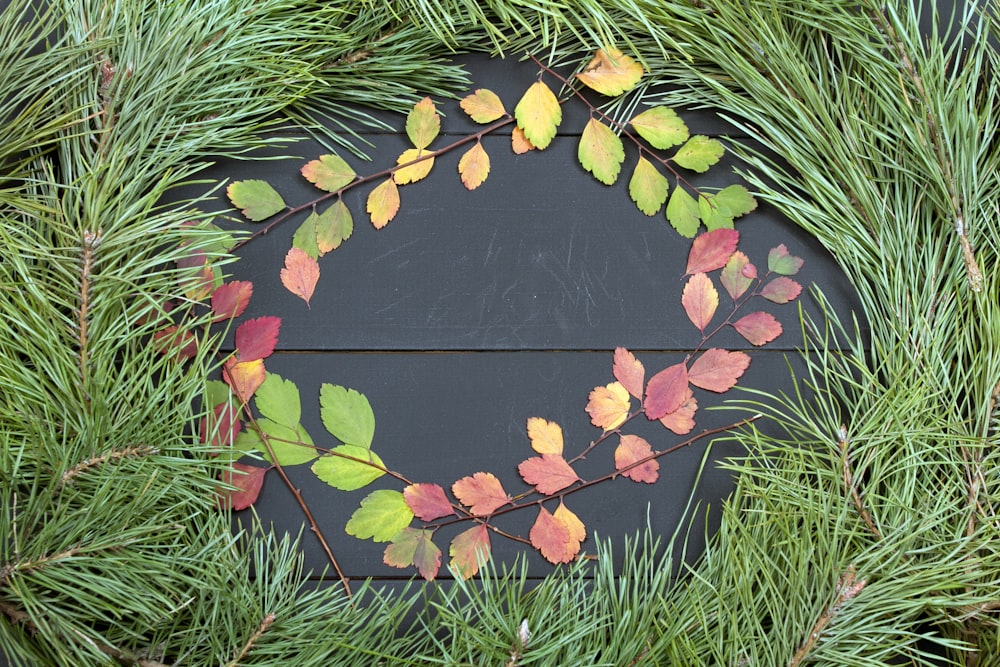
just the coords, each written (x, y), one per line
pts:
(732, 277)
(700, 300)
(423, 123)
(329, 173)
(292, 445)
(681, 420)
(666, 391)
(347, 415)
(601, 151)
(256, 199)
(413, 546)
(551, 537)
(609, 406)
(301, 273)
(349, 474)
(719, 210)
(519, 143)
(468, 548)
(383, 203)
(711, 251)
(257, 338)
(248, 481)
(546, 437)
(699, 153)
(610, 72)
(629, 371)
(481, 492)
(278, 400)
(682, 213)
(332, 227)
(305, 236)
(229, 300)
(474, 166)
(629, 452)
(414, 172)
(383, 514)
(538, 114)
(717, 370)
(483, 106)
(548, 473)
(781, 262)
(661, 127)
(648, 188)
(427, 501)
(758, 328)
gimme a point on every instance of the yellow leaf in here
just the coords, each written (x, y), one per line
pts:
(423, 123)
(608, 406)
(538, 114)
(519, 142)
(601, 151)
(648, 187)
(546, 437)
(577, 531)
(474, 167)
(414, 172)
(483, 106)
(383, 203)
(611, 72)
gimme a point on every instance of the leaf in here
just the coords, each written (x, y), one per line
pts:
(469, 548)
(630, 451)
(551, 537)
(700, 300)
(329, 172)
(629, 371)
(413, 546)
(248, 481)
(548, 473)
(538, 114)
(719, 210)
(346, 474)
(256, 199)
(305, 236)
(711, 251)
(179, 342)
(427, 501)
(278, 400)
(577, 531)
(256, 339)
(383, 515)
(481, 492)
(347, 415)
(609, 406)
(423, 123)
(648, 188)
(699, 153)
(546, 437)
(230, 299)
(780, 261)
(732, 277)
(197, 277)
(610, 72)
(222, 427)
(383, 203)
(291, 445)
(244, 377)
(474, 166)
(519, 143)
(661, 127)
(781, 290)
(682, 213)
(666, 391)
(483, 106)
(717, 370)
(333, 226)
(601, 151)
(759, 328)
(681, 420)
(414, 172)
(300, 274)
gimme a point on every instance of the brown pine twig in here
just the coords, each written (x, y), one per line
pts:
(851, 484)
(254, 638)
(848, 587)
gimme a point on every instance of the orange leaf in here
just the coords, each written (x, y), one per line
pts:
(248, 481)
(717, 370)
(427, 501)
(256, 338)
(300, 274)
(666, 391)
(609, 406)
(244, 377)
(383, 203)
(468, 548)
(229, 300)
(700, 299)
(759, 328)
(681, 420)
(629, 371)
(610, 72)
(630, 451)
(519, 143)
(414, 172)
(551, 537)
(549, 473)
(413, 546)
(711, 251)
(538, 113)
(481, 492)
(733, 277)
(546, 437)
(474, 167)
(483, 106)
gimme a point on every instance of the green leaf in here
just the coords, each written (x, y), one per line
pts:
(648, 187)
(304, 237)
(292, 445)
(333, 226)
(345, 474)
(601, 152)
(719, 210)
(383, 515)
(699, 153)
(661, 127)
(347, 415)
(682, 212)
(278, 400)
(217, 392)
(538, 114)
(257, 200)
(329, 172)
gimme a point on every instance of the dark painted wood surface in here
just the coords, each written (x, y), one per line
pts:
(472, 311)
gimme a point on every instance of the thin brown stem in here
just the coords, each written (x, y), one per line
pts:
(91, 241)
(848, 587)
(134, 451)
(264, 625)
(851, 484)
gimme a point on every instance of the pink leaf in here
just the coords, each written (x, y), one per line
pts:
(780, 261)
(256, 339)
(733, 279)
(549, 473)
(759, 328)
(630, 451)
(301, 273)
(666, 391)
(711, 251)
(700, 300)
(468, 548)
(248, 486)
(781, 290)
(427, 501)
(482, 493)
(629, 371)
(717, 370)
(551, 537)
(681, 420)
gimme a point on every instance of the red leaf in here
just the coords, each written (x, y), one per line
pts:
(179, 341)
(631, 450)
(300, 274)
(666, 391)
(229, 300)
(427, 501)
(244, 377)
(711, 251)
(468, 548)
(247, 485)
(781, 290)
(549, 473)
(222, 428)
(681, 420)
(482, 493)
(551, 537)
(413, 546)
(717, 370)
(629, 371)
(759, 328)
(700, 299)
(780, 261)
(256, 339)
(733, 279)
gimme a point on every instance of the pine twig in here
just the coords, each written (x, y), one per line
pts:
(134, 451)
(851, 484)
(91, 241)
(264, 625)
(848, 587)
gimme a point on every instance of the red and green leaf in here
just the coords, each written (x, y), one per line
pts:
(329, 172)
(718, 370)
(781, 290)
(481, 492)
(428, 501)
(733, 278)
(780, 261)
(256, 199)
(548, 473)
(469, 548)
(629, 452)
(413, 546)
